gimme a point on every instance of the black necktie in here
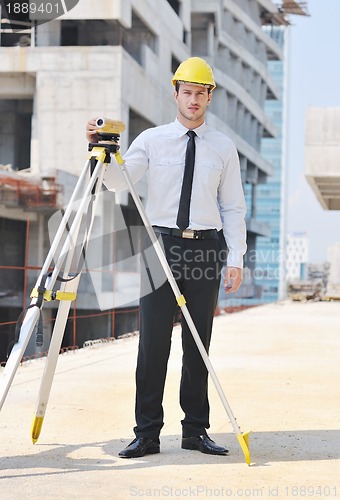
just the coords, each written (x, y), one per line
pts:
(184, 202)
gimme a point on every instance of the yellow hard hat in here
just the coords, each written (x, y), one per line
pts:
(194, 70)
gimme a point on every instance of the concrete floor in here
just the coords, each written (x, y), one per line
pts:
(279, 367)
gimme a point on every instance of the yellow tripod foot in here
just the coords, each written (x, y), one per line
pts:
(243, 440)
(36, 428)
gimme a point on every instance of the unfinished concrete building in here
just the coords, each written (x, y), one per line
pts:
(322, 171)
(116, 59)
(322, 155)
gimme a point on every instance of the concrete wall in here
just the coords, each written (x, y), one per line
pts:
(322, 155)
(129, 78)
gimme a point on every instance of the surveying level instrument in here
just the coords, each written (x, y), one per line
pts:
(108, 134)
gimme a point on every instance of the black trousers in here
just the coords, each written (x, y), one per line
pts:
(196, 266)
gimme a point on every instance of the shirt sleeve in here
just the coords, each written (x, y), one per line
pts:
(136, 162)
(233, 210)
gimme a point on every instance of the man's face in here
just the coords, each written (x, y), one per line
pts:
(192, 101)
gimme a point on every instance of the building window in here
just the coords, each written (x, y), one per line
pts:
(175, 4)
(174, 63)
(15, 132)
(137, 123)
(110, 32)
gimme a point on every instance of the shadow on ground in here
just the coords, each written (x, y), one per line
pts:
(265, 447)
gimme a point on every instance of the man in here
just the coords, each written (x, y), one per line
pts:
(196, 210)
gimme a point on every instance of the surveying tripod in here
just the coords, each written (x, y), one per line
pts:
(108, 132)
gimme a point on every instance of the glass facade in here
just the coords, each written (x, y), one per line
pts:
(269, 251)
(264, 279)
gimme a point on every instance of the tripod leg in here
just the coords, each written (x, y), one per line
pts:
(71, 239)
(32, 314)
(52, 358)
(18, 351)
(62, 226)
(242, 438)
(62, 315)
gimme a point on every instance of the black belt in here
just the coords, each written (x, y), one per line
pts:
(193, 234)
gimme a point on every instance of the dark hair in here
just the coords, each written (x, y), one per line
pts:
(177, 87)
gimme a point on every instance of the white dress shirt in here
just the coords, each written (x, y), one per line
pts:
(217, 199)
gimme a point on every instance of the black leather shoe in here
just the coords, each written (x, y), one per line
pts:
(203, 444)
(140, 447)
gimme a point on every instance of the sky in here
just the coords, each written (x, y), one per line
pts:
(314, 81)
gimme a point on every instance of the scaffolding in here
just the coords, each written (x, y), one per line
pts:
(19, 192)
(76, 320)
(284, 10)
(294, 7)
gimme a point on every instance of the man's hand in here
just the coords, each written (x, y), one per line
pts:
(233, 279)
(91, 130)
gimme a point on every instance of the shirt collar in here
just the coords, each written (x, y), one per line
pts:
(183, 130)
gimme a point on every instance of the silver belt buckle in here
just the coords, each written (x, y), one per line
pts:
(188, 233)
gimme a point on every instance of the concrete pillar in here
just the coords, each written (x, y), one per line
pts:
(211, 39)
(48, 34)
